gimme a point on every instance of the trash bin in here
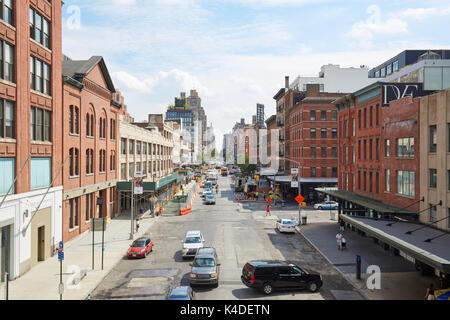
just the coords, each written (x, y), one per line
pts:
(304, 218)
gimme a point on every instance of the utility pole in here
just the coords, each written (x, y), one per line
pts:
(132, 210)
(299, 188)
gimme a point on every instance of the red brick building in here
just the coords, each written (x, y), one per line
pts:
(30, 144)
(378, 151)
(90, 144)
(313, 137)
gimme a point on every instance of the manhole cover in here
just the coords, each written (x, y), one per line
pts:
(346, 295)
(147, 282)
(148, 273)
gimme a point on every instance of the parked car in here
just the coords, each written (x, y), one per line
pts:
(181, 293)
(210, 199)
(270, 275)
(205, 268)
(328, 205)
(286, 225)
(140, 248)
(191, 243)
(205, 192)
(208, 185)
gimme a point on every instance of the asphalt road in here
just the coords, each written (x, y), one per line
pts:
(237, 237)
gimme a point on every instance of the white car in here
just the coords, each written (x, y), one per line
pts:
(206, 191)
(327, 205)
(286, 225)
(193, 241)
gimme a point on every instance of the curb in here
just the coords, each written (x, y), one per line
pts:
(337, 269)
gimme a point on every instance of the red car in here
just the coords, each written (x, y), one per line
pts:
(140, 248)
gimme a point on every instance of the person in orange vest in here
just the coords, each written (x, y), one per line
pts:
(160, 210)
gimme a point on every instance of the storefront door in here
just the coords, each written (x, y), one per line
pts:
(5, 249)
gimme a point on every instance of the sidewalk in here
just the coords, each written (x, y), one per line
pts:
(42, 281)
(399, 279)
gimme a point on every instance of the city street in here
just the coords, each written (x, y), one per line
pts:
(238, 238)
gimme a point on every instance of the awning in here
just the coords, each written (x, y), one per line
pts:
(363, 201)
(287, 179)
(151, 186)
(435, 253)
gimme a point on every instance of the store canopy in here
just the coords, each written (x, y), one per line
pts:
(287, 179)
(363, 201)
(435, 253)
(151, 186)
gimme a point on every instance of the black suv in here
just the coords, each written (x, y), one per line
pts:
(268, 275)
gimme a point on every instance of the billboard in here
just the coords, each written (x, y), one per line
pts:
(294, 177)
(395, 91)
(138, 183)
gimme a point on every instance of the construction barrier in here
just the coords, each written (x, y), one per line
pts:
(188, 209)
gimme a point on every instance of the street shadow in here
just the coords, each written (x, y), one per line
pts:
(251, 293)
(178, 257)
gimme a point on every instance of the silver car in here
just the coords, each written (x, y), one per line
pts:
(205, 268)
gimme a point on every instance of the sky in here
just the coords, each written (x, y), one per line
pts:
(236, 53)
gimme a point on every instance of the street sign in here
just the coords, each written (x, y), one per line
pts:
(269, 200)
(97, 224)
(61, 245)
(299, 199)
(60, 255)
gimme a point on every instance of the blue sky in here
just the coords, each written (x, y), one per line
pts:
(235, 53)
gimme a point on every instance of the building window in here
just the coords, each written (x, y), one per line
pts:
(89, 161)
(123, 171)
(383, 72)
(40, 172)
(40, 124)
(39, 28)
(323, 115)
(74, 120)
(6, 11)
(73, 213)
(102, 124)
(102, 161)
(138, 147)
(333, 115)
(131, 147)
(395, 66)
(313, 152)
(359, 180)
(7, 61)
(365, 149)
(324, 152)
(312, 115)
(7, 172)
(405, 183)
(40, 76)
(433, 178)
(377, 114)
(370, 149)
(334, 172)
(112, 129)
(7, 119)
(313, 133)
(131, 168)
(386, 147)
(433, 213)
(371, 116)
(370, 181)
(433, 138)
(365, 118)
(405, 147)
(324, 172)
(74, 157)
(323, 133)
(333, 133)
(389, 69)
(359, 149)
(334, 152)
(112, 161)
(144, 148)
(359, 119)
(387, 175)
(377, 74)
(313, 172)
(123, 146)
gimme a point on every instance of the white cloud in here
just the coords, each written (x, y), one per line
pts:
(424, 13)
(364, 31)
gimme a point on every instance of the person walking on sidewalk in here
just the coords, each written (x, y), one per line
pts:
(256, 196)
(339, 240)
(342, 226)
(268, 210)
(137, 225)
(430, 293)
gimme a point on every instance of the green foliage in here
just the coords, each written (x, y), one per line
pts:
(246, 167)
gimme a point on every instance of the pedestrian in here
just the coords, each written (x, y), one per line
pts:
(160, 210)
(264, 194)
(342, 226)
(257, 196)
(268, 210)
(141, 211)
(339, 240)
(137, 225)
(430, 293)
(344, 243)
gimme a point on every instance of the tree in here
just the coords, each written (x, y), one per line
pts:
(247, 168)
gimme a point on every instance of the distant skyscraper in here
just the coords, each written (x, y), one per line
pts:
(260, 115)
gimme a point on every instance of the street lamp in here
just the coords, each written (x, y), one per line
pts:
(299, 186)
